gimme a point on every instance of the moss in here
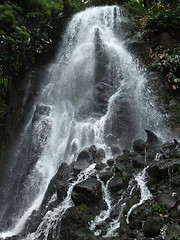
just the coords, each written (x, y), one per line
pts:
(159, 207)
(83, 208)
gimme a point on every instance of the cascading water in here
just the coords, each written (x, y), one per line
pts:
(93, 89)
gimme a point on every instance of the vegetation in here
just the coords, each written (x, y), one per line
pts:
(159, 207)
(162, 22)
(28, 29)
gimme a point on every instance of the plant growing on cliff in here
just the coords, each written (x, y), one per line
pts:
(164, 18)
(168, 62)
(83, 208)
(160, 208)
(135, 6)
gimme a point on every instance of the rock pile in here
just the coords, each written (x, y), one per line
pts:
(112, 192)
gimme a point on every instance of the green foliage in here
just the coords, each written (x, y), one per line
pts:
(122, 221)
(28, 29)
(176, 237)
(159, 207)
(103, 2)
(168, 62)
(135, 6)
(14, 50)
(71, 6)
(3, 109)
(162, 18)
(83, 208)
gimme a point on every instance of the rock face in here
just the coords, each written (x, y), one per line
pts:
(87, 191)
(91, 154)
(152, 226)
(110, 194)
(163, 169)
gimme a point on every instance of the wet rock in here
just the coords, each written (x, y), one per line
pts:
(162, 169)
(102, 93)
(74, 223)
(110, 162)
(80, 166)
(152, 226)
(116, 183)
(176, 181)
(123, 157)
(122, 169)
(175, 214)
(91, 154)
(87, 191)
(86, 154)
(100, 166)
(105, 176)
(115, 149)
(64, 172)
(153, 141)
(99, 155)
(168, 201)
(172, 231)
(58, 183)
(138, 161)
(139, 145)
(62, 188)
(83, 233)
(40, 110)
(137, 45)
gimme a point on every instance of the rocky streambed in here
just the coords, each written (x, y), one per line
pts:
(134, 195)
(142, 191)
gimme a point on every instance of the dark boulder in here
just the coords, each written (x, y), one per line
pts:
(125, 157)
(138, 161)
(119, 167)
(153, 141)
(86, 154)
(152, 226)
(105, 176)
(59, 184)
(116, 183)
(74, 223)
(80, 166)
(100, 166)
(176, 181)
(64, 172)
(62, 188)
(91, 154)
(99, 155)
(168, 201)
(110, 162)
(161, 169)
(87, 191)
(139, 145)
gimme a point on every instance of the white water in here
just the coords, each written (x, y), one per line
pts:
(145, 193)
(51, 218)
(105, 213)
(73, 121)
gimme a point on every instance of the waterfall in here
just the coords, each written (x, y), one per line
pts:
(94, 88)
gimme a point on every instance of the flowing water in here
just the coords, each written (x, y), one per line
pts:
(94, 88)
